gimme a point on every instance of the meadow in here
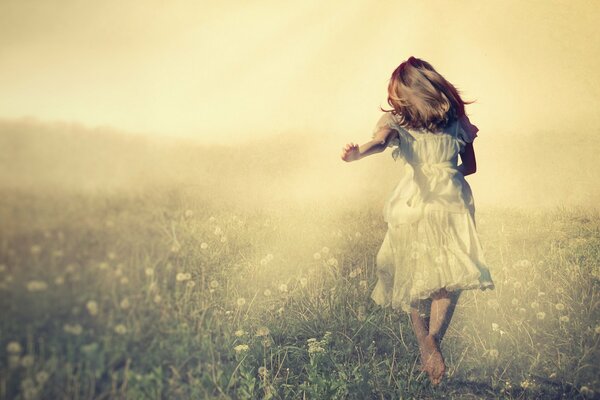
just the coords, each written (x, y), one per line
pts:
(174, 291)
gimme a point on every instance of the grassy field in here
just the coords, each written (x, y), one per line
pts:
(164, 294)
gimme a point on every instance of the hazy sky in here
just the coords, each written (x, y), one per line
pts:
(222, 71)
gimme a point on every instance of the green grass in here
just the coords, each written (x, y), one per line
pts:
(158, 295)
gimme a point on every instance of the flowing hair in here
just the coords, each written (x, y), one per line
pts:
(422, 98)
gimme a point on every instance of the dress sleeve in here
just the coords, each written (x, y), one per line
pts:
(385, 123)
(467, 132)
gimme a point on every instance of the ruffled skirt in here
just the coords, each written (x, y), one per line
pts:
(440, 249)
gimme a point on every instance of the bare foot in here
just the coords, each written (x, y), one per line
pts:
(432, 360)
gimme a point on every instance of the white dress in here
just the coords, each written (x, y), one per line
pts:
(431, 241)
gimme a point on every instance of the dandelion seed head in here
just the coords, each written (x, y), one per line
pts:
(317, 256)
(120, 329)
(157, 299)
(241, 301)
(14, 348)
(92, 307)
(41, 377)
(517, 285)
(493, 353)
(37, 285)
(541, 315)
(27, 361)
(267, 292)
(183, 276)
(73, 329)
(559, 306)
(263, 331)
(325, 250)
(535, 304)
(203, 245)
(125, 304)
(241, 348)
(564, 318)
(303, 281)
(283, 288)
(214, 284)
(149, 272)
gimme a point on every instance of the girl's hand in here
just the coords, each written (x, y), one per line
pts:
(350, 152)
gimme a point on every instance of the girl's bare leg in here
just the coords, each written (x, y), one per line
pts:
(442, 308)
(420, 325)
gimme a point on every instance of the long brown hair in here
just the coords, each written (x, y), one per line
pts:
(422, 98)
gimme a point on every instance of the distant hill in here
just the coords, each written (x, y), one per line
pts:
(544, 169)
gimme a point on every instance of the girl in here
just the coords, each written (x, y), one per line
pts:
(431, 250)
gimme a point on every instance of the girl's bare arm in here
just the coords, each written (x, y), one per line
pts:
(354, 152)
(469, 164)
